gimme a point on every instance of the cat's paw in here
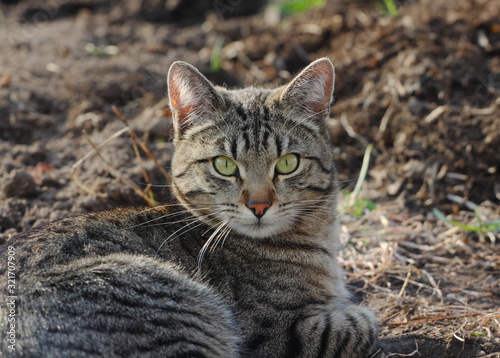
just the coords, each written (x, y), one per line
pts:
(346, 331)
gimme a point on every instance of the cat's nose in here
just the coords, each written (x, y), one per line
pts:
(259, 209)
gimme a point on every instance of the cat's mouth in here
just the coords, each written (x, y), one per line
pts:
(246, 223)
(259, 228)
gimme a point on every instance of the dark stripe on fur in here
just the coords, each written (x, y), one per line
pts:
(257, 340)
(279, 145)
(320, 163)
(307, 129)
(234, 148)
(318, 189)
(325, 337)
(266, 113)
(265, 139)
(369, 338)
(200, 132)
(187, 341)
(246, 141)
(182, 196)
(199, 161)
(198, 192)
(191, 354)
(294, 347)
(342, 345)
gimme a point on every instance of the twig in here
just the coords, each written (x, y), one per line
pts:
(377, 352)
(143, 145)
(134, 138)
(89, 154)
(405, 283)
(351, 132)
(435, 114)
(495, 354)
(434, 284)
(117, 174)
(385, 119)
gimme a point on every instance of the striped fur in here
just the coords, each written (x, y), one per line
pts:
(205, 276)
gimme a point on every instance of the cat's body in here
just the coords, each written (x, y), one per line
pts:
(244, 265)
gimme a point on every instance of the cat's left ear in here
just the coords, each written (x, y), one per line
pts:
(311, 92)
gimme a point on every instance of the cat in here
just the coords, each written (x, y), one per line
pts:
(243, 264)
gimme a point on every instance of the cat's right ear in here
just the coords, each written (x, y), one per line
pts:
(311, 92)
(193, 99)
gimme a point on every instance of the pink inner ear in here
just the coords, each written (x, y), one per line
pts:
(180, 100)
(193, 99)
(312, 89)
(321, 75)
(182, 111)
(175, 100)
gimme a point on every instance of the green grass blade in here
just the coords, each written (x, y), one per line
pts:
(216, 55)
(441, 216)
(362, 174)
(295, 7)
(391, 7)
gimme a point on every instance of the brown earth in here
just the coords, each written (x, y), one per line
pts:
(423, 87)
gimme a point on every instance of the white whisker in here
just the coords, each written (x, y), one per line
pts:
(184, 229)
(207, 244)
(170, 215)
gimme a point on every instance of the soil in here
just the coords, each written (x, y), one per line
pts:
(422, 85)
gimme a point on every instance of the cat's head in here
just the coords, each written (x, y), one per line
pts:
(255, 161)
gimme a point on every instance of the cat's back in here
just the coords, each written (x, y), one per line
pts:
(136, 231)
(101, 284)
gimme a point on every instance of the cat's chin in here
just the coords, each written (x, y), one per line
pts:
(259, 230)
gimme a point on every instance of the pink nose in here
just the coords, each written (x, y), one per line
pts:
(259, 209)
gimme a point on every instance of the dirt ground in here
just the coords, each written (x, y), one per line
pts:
(422, 85)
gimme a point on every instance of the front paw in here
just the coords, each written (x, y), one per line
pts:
(346, 331)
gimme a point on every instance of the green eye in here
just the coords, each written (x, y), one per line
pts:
(287, 164)
(225, 166)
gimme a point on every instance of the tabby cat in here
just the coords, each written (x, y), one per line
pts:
(242, 265)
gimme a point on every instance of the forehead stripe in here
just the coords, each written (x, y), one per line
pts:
(234, 148)
(279, 145)
(265, 138)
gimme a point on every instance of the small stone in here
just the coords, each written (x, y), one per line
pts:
(490, 279)
(20, 184)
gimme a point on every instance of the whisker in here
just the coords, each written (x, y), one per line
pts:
(205, 206)
(156, 185)
(223, 236)
(207, 244)
(183, 230)
(170, 215)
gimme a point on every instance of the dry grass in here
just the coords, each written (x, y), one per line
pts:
(137, 144)
(422, 276)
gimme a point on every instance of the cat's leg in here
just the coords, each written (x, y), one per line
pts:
(122, 305)
(338, 331)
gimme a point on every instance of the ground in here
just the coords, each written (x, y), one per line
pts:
(420, 241)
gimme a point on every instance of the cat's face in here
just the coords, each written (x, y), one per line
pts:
(254, 161)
